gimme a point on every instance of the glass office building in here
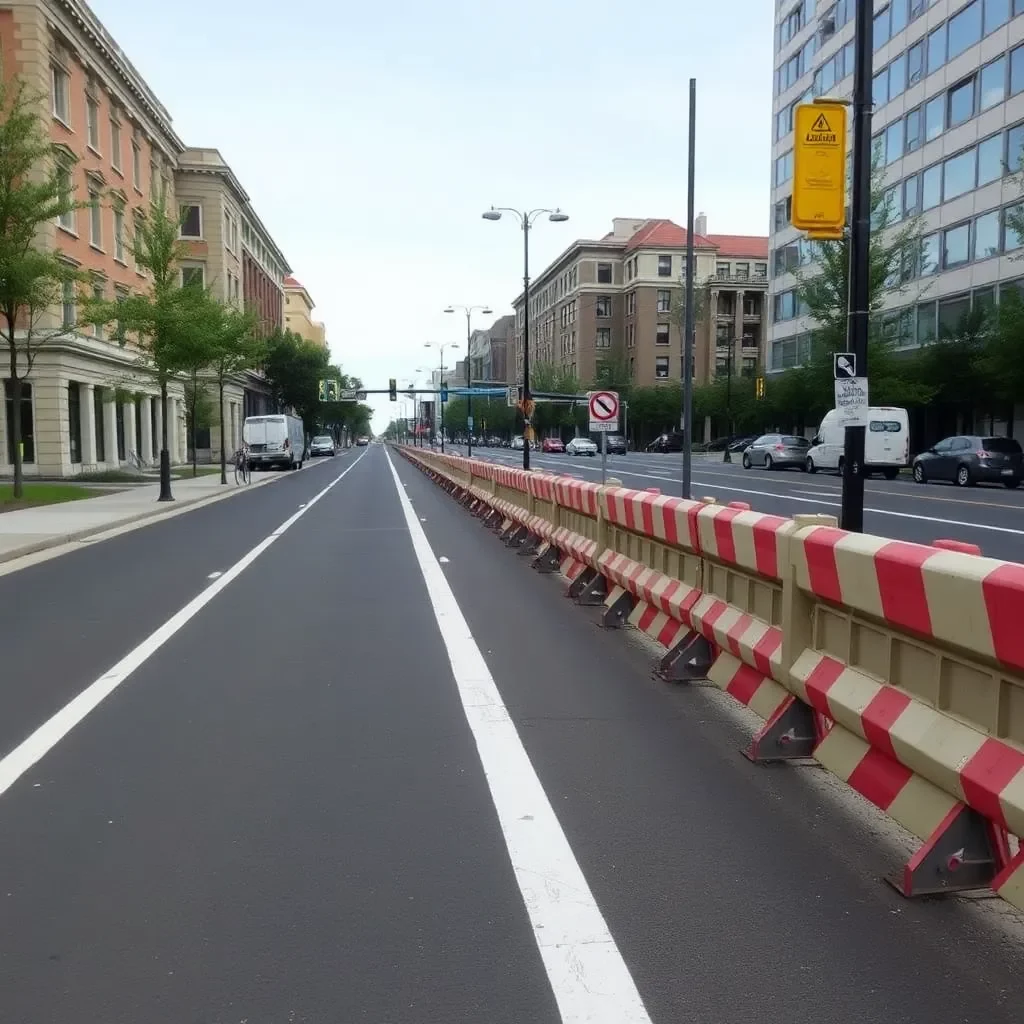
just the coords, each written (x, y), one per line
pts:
(948, 125)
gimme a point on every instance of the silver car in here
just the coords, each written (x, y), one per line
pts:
(777, 451)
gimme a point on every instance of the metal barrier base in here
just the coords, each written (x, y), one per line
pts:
(789, 735)
(549, 561)
(687, 662)
(593, 591)
(617, 613)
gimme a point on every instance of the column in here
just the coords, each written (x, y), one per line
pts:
(129, 429)
(110, 433)
(147, 430)
(713, 331)
(737, 357)
(87, 417)
(172, 429)
(158, 441)
(179, 406)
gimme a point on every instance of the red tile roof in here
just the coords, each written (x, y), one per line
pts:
(754, 246)
(290, 282)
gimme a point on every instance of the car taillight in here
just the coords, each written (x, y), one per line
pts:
(780, 447)
(982, 454)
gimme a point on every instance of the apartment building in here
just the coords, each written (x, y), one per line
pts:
(488, 351)
(620, 298)
(298, 313)
(87, 405)
(948, 125)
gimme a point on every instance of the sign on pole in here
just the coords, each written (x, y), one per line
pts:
(349, 396)
(512, 397)
(819, 169)
(603, 407)
(851, 391)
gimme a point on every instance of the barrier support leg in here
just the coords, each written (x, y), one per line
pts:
(961, 854)
(688, 661)
(584, 580)
(516, 536)
(789, 735)
(594, 592)
(617, 612)
(529, 545)
(548, 561)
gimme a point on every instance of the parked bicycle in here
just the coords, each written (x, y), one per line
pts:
(243, 471)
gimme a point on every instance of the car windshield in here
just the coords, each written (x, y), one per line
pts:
(1001, 445)
(791, 441)
(323, 439)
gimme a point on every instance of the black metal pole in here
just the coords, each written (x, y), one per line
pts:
(688, 327)
(728, 399)
(526, 337)
(852, 512)
(440, 401)
(469, 394)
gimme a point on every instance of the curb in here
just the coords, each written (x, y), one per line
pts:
(189, 504)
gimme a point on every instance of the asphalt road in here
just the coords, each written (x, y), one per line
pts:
(990, 516)
(282, 812)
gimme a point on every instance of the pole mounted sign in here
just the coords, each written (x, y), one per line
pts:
(603, 407)
(851, 391)
(819, 169)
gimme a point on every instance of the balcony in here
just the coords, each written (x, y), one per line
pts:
(748, 281)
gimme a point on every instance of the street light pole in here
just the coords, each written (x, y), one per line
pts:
(469, 311)
(441, 347)
(526, 220)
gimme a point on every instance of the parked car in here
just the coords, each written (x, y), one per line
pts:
(672, 442)
(581, 446)
(322, 444)
(552, 444)
(518, 444)
(968, 459)
(361, 441)
(615, 444)
(777, 451)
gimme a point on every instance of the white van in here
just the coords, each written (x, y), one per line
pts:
(886, 442)
(275, 441)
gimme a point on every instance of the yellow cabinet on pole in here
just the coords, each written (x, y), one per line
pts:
(819, 169)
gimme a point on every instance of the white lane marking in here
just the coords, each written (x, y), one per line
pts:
(54, 729)
(817, 494)
(789, 496)
(588, 976)
(215, 575)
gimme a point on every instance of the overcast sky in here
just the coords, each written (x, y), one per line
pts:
(372, 136)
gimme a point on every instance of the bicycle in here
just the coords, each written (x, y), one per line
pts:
(243, 471)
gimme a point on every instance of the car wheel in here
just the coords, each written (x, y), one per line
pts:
(918, 473)
(746, 462)
(890, 474)
(1011, 485)
(840, 466)
(963, 477)
(810, 466)
(768, 464)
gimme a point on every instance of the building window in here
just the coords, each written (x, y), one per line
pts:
(661, 334)
(75, 421)
(661, 367)
(893, 141)
(930, 254)
(760, 270)
(154, 179)
(964, 29)
(936, 49)
(191, 217)
(958, 174)
(986, 235)
(783, 213)
(28, 438)
(95, 219)
(630, 303)
(664, 300)
(997, 12)
(115, 144)
(604, 273)
(956, 247)
(69, 305)
(136, 166)
(92, 122)
(990, 159)
(604, 337)
(915, 63)
(98, 295)
(931, 187)
(66, 219)
(934, 117)
(993, 84)
(742, 271)
(1011, 240)
(603, 306)
(664, 266)
(960, 102)
(192, 276)
(911, 204)
(912, 133)
(119, 234)
(60, 84)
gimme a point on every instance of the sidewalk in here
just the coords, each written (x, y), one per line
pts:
(29, 530)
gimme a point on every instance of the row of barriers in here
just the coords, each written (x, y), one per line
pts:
(898, 667)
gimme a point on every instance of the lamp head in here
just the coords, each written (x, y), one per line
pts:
(492, 214)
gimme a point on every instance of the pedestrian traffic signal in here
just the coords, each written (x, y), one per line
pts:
(393, 389)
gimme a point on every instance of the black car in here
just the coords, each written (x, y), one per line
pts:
(667, 443)
(616, 444)
(969, 459)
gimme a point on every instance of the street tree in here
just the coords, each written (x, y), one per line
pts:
(294, 368)
(168, 322)
(35, 192)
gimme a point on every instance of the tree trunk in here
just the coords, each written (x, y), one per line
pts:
(194, 403)
(19, 475)
(223, 453)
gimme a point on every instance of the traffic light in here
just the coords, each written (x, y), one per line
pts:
(393, 389)
(322, 391)
(759, 387)
(331, 391)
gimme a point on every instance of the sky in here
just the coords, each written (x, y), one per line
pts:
(371, 137)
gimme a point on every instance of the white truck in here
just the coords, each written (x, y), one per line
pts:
(886, 442)
(275, 440)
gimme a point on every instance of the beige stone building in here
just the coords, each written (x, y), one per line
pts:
(88, 403)
(620, 298)
(298, 313)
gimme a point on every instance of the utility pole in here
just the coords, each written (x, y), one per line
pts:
(859, 297)
(688, 328)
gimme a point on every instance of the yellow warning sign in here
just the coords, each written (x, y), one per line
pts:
(819, 169)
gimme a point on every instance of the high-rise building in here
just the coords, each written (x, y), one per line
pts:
(619, 298)
(948, 126)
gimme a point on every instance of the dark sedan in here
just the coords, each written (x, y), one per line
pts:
(616, 444)
(969, 459)
(667, 443)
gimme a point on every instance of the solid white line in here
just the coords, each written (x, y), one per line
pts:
(52, 731)
(588, 976)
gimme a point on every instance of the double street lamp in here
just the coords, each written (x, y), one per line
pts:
(441, 346)
(526, 221)
(469, 311)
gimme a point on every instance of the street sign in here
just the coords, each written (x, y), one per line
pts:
(361, 396)
(444, 392)
(512, 397)
(852, 401)
(604, 411)
(819, 169)
(349, 396)
(844, 365)
(469, 424)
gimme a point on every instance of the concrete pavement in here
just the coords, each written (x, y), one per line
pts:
(280, 812)
(991, 517)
